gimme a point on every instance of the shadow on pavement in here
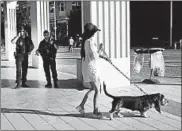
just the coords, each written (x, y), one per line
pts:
(172, 77)
(88, 115)
(66, 58)
(9, 83)
(71, 84)
(27, 111)
(140, 82)
(63, 84)
(13, 66)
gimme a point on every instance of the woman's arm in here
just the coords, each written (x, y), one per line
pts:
(101, 52)
(14, 40)
(92, 49)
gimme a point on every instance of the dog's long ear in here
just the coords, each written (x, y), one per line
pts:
(157, 102)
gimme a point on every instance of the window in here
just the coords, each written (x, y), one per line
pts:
(78, 3)
(75, 5)
(62, 6)
(51, 7)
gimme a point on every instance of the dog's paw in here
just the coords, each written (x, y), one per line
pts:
(145, 116)
(98, 116)
(111, 116)
(120, 115)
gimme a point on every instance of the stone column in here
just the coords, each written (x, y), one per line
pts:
(113, 18)
(10, 28)
(39, 13)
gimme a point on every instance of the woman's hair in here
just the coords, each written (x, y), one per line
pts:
(86, 35)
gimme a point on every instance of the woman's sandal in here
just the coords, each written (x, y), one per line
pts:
(97, 114)
(81, 110)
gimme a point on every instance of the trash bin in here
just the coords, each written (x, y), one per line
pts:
(138, 62)
(156, 62)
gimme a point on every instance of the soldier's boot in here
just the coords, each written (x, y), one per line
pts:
(56, 84)
(24, 84)
(17, 86)
(48, 85)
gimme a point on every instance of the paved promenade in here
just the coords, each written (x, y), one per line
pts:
(39, 108)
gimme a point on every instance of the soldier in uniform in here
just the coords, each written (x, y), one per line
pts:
(24, 47)
(48, 49)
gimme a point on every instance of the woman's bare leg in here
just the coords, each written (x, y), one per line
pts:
(80, 108)
(95, 86)
(85, 98)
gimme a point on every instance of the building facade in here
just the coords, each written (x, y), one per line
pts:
(62, 16)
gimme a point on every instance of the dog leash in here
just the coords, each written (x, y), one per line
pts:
(110, 61)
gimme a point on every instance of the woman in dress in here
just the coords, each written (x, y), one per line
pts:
(90, 72)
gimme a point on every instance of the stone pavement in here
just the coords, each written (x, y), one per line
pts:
(39, 108)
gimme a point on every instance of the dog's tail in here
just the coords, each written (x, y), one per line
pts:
(105, 91)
